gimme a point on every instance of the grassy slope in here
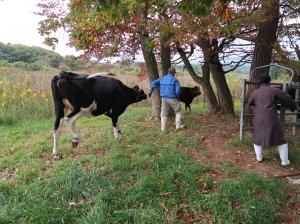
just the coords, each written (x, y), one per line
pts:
(144, 178)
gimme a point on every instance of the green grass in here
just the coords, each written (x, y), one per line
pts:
(245, 200)
(294, 153)
(143, 178)
(236, 144)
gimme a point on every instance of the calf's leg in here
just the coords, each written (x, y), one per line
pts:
(186, 106)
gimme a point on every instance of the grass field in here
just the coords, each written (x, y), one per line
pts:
(146, 177)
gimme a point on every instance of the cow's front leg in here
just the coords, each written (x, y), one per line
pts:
(71, 119)
(117, 131)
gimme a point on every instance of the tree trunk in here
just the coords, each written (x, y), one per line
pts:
(204, 81)
(151, 64)
(225, 97)
(165, 53)
(297, 50)
(152, 72)
(265, 39)
(212, 102)
(211, 56)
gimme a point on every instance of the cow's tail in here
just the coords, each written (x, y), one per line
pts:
(58, 102)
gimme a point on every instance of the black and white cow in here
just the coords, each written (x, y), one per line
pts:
(88, 95)
(187, 95)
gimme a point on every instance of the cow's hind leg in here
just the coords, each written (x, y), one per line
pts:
(71, 118)
(56, 134)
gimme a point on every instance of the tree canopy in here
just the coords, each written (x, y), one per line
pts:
(160, 29)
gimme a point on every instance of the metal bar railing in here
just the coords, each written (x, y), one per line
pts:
(276, 65)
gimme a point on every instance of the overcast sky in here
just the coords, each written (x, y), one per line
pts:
(18, 25)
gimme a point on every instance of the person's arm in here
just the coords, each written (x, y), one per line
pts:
(177, 88)
(285, 99)
(154, 84)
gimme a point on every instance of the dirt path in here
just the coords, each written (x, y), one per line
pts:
(215, 134)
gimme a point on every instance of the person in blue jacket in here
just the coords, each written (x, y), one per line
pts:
(169, 88)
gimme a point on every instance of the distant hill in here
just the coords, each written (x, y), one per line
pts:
(35, 58)
(242, 70)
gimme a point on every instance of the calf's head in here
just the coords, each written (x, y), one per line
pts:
(140, 94)
(196, 91)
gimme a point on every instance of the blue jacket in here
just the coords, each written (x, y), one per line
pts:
(168, 85)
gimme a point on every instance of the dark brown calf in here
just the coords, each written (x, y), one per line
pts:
(187, 94)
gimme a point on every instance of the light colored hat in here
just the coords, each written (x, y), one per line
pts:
(172, 70)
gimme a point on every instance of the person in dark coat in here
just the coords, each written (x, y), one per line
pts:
(268, 131)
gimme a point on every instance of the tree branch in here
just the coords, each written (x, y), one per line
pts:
(188, 65)
(237, 64)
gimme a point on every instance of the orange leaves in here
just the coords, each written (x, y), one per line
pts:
(226, 14)
(223, 11)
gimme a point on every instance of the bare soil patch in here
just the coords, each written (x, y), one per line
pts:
(215, 132)
(6, 175)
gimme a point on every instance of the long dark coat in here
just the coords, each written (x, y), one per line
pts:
(267, 129)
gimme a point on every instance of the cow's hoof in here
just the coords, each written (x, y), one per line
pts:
(75, 142)
(57, 157)
(181, 127)
(118, 139)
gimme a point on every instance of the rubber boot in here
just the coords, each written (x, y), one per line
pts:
(178, 122)
(284, 154)
(258, 152)
(163, 121)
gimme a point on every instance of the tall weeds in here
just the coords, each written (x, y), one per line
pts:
(22, 98)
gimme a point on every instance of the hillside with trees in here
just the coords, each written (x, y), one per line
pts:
(36, 58)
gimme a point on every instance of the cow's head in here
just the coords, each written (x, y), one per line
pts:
(140, 94)
(196, 91)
